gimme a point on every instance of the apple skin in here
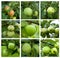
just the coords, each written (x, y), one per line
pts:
(36, 13)
(57, 30)
(46, 49)
(10, 33)
(28, 11)
(50, 10)
(6, 8)
(51, 29)
(57, 45)
(54, 51)
(30, 30)
(11, 46)
(11, 27)
(26, 48)
(36, 47)
(11, 13)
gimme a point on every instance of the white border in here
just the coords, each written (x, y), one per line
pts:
(20, 29)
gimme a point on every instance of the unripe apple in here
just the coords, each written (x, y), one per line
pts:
(26, 48)
(50, 10)
(54, 50)
(10, 33)
(30, 30)
(46, 49)
(51, 29)
(6, 8)
(11, 27)
(11, 46)
(36, 13)
(28, 11)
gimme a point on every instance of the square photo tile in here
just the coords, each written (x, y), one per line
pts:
(29, 48)
(10, 48)
(10, 29)
(50, 47)
(49, 28)
(10, 9)
(30, 28)
(49, 10)
(29, 10)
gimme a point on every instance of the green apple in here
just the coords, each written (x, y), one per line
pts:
(4, 33)
(26, 48)
(54, 50)
(36, 47)
(11, 46)
(36, 13)
(51, 29)
(30, 30)
(57, 30)
(28, 11)
(10, 33)
(11, 27)
(44, 30)
(46, 49)
(57, 45)
(50, 10)
(4, 52)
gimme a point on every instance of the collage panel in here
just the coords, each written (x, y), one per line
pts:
(10, 48)
(30, 48)
(49, 9)
(49, 28)
(10, 28)
(30, 29)
(29, 9)
(50, 47)
(10, 10)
